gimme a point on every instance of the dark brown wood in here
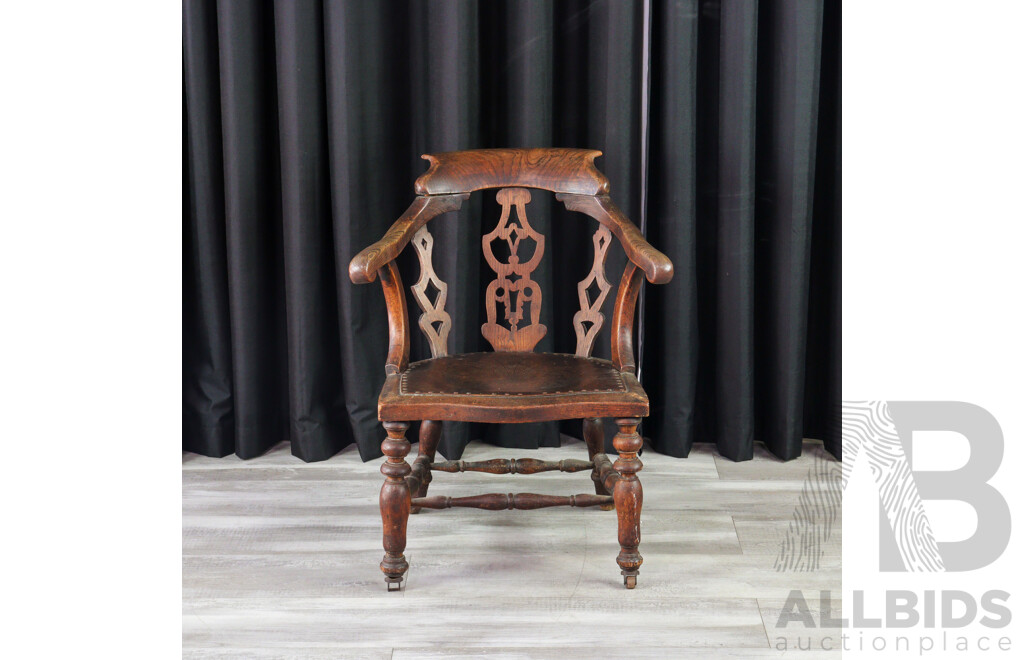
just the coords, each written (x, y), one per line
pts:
(513, 466)
(558, 170)
(606, 474)
(419, 480)
(622, 320)
(499, 501)
(655, 265)
(398, 319)
(589, 319)
(435, 322)
(629, 499)
(593, 435)
(512, 384)
(511, 387)
(364, 266)
(513, 288)
(394, 502)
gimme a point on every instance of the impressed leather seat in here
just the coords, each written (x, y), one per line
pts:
(532, 387)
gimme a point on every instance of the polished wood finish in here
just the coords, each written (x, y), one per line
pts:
(512, 384)
(394, 503)
(557, 170)
(419, 480)
(513, 466)
(593, 435)
(629, 498)
(589, 319)
(499, 501)
(511, 387)
(398, 320)
(435, 322)
(622, 320)
(513, 288)
(655, 265)
(364, 266)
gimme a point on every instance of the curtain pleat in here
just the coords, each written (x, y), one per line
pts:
(252, 214)
(208, 413)
(731, 362)
(304, 123)
(790, 46)
(669, 371)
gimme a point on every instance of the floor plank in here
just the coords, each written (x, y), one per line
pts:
(280, 559)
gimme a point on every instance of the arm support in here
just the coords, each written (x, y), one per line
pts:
(398, 319)
(655, 265)
(622, 319)
(365, 265)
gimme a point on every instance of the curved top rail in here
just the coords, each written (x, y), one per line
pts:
(558, 170)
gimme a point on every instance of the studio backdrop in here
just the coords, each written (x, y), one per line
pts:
(304, 122)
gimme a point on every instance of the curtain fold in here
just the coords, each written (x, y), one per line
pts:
(304, 122)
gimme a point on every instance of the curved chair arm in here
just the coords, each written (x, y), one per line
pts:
(398, 319)
(655, 265)
(364, 266)
(622, 319)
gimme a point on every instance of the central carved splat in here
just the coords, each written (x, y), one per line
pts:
(519, 295)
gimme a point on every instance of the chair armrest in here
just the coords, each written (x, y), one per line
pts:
(364, 266)
(655, 265)
(622, 319)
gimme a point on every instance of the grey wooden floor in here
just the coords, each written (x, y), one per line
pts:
(280, 559)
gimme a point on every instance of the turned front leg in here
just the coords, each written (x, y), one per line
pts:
(629, 498)
(593, 435)
(430, 434)
(394, 503)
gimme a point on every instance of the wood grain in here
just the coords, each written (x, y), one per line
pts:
(513, 466)
(513, 287)
(398, 319)
(558, 170)
(588, 321)
(622, 320)
(656, 266)
(394, 503)
(279, 560)
(364, 266)
(629, 499)
(435, 322)
(499, 501)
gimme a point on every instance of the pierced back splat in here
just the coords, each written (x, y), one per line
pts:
(593, 290)
(513, 287)
(434, 321)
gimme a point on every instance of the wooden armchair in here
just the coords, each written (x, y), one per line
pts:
(512, 384)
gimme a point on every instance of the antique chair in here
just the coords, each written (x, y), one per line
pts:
(512, 384)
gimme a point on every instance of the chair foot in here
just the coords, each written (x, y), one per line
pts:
(606, 507)
(629, 580)
(416, 509)
(394, 584)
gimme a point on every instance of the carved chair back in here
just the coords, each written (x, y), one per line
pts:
(513, 250)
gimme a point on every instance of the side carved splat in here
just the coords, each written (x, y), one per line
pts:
(518, 294)
(434, 321)
(593, 290)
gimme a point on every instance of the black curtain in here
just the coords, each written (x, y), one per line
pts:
(304, 123)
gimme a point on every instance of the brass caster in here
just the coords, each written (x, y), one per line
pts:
(394, 584)
(607, 507)
(629, 581)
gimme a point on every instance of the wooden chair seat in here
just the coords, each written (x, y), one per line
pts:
(511, 387)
